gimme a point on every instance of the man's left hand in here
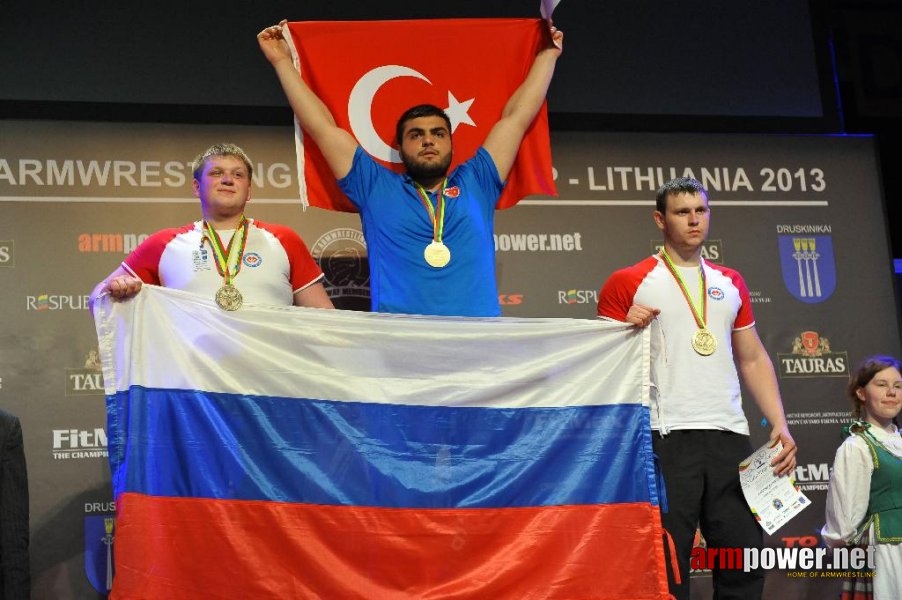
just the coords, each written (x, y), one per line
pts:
(785, 462)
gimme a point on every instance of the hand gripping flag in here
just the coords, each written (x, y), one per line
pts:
(302, 453)
(369, 72)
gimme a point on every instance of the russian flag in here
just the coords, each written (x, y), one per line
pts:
(302, 453)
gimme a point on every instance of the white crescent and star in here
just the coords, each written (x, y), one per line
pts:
(360, 106)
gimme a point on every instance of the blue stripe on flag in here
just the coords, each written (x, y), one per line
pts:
(209, 445)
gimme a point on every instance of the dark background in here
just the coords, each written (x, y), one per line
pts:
(775, 66)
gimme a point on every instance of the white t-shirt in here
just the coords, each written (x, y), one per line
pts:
(694, 391)
(275, 264)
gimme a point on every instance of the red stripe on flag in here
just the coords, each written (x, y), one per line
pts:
(203, 548)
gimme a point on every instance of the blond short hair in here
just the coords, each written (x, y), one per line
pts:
(221, 150)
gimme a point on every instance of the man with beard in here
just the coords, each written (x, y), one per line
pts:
(413, 222)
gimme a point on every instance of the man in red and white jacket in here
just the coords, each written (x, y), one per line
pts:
(255, 262)
(700, 432)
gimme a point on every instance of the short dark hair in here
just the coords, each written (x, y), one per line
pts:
(680, 185)
(221, 150)
(867, 369)
(420, 110)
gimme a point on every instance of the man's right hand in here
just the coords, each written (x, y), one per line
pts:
(337, 145)
(641, 315)
(123, 286)
(273, 44)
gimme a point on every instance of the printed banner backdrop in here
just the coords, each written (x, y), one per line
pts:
(799, 216)
(377, 456)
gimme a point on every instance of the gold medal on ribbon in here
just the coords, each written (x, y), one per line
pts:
(704, 342)
(229, 298)
(437, 255)
(228, 263)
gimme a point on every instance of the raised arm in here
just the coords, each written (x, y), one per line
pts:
(759, 377)
(337, 145)
(503, 141)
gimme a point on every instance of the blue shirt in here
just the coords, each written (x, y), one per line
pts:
(397, 230)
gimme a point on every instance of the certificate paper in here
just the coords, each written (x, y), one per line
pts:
(774, 500)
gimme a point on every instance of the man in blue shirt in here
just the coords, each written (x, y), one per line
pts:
(429, 234)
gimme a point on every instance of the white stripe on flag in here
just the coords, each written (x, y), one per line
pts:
(298, 132)
(179, 340)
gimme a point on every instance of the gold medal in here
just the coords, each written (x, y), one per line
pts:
(229, 298)
(704, 342)
(437, 255)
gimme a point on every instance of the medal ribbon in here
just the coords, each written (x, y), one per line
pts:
(222, 255)
(700, 320)
(436, 215)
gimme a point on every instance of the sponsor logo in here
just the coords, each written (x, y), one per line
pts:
(577, 296)
(341, 254)
(99, 536)
(814, 562)
(100, 507)
(699, 545)
(452, 192)
(510, 299)
(803, 541)
(808, 268)
(812, 477)
(86, 380)
(7, 253)
(712, 250)
(818, 418)
(715, 293)
(812, 356)
(52, 302)
(79, 443)
(252, 260)
(804, 229)
(538, 242)
(117, 243)
(757, 297)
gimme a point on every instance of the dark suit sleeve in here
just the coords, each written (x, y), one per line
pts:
(14, 560)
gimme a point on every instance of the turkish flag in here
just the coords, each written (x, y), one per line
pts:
(369, 72)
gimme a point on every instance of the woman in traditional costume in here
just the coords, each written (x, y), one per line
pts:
(864, 501)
